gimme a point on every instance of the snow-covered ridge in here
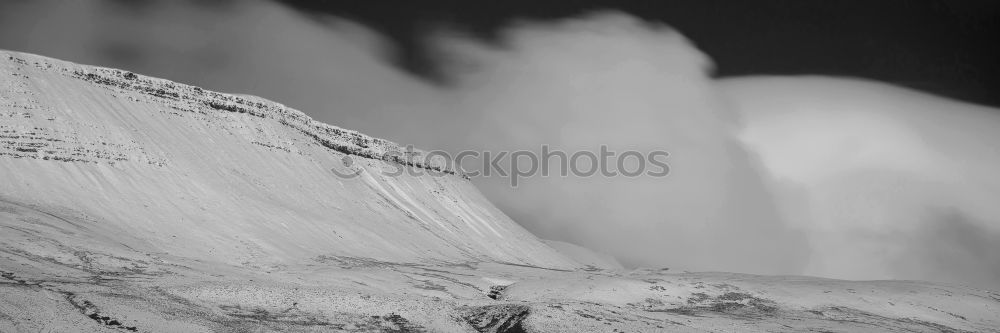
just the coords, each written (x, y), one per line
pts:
(231, 178)
(186, 98)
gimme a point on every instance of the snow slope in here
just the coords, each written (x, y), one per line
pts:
(585, 256)
(236, 179)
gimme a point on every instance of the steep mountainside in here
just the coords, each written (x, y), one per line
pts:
(174, 168)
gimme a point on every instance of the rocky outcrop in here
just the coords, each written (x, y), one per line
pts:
(21, 102)
(503, 318)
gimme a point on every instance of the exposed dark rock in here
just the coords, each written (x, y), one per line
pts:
(502, 318)
(496, 292)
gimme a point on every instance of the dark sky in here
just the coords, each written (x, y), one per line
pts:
(944, 47)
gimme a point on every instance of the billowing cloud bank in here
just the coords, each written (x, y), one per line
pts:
(818, 176)
(886, 182)
(608, 79)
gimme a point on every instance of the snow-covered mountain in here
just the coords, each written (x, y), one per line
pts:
(166, 167)
(129, 203)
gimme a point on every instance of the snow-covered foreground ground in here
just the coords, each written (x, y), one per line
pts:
(59, 277)
(129, 203)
